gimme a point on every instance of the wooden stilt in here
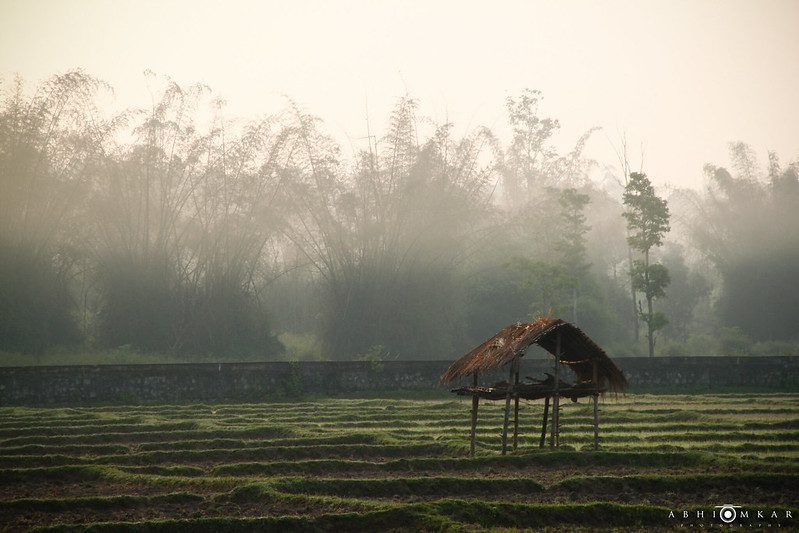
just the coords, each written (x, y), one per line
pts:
(475, 405)
(544, 425)
(596, 422)
(516, 410)
(596, 409)
(507, 406)
(555, 439)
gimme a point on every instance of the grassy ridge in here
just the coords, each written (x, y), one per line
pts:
(373, 464)
(446, 514)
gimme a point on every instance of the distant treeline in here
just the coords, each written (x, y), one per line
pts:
(175, 230)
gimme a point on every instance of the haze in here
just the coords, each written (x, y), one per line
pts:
(379, 180)
(253, 247)
(681, 78)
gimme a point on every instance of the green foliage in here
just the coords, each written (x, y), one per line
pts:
(656, 321)
(141, 305)
(375, 356)
(169, 233)
(386, 239)
(760, 295)
(647, 215)
(146, 306)
(549, 285)
(554, 287)
(775, 348)
(300, 346)
(36, 308)
(573, 229)
(688, 290)
(525, 167)
(177, 270)
(48, 149)
(733, 341)
(747, 226)
(651, 280)
(647, 222)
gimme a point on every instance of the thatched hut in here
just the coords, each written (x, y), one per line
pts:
(595, 371)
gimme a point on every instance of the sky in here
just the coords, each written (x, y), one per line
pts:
(681, 78)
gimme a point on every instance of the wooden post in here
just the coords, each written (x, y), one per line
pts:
(544, 426)
(507, 406)
(596, 422)
(475, 405)
(555, 439)
(516, 409)
(596, 409)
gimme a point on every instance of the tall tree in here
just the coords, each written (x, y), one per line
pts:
(554, 284)
(389, 237)
(622, 155)
(572, 242)
(648, 221)
(50, 144)
(747, 225)
(688, 289)
(530, 157)
(182, 224)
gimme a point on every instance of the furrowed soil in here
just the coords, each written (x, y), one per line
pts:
(404, 465)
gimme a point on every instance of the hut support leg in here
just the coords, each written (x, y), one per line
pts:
(475, 405)
(516, 412)
(596, 409)
(554, 437)
(596, 422)
(555, 440)
(544, 425)
(507, 407)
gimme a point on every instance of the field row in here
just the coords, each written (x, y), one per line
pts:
(376, 464)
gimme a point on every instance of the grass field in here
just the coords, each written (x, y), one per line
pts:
(377, 464)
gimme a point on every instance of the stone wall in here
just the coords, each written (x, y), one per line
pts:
(252, 382)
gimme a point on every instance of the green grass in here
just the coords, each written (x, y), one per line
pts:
(252, 432)
(416, 487)
(445, 514)
(371, 464)
(682, 483)
(98, 502)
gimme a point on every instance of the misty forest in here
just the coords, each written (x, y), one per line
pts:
(179, 233)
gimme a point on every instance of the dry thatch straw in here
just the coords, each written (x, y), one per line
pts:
(577, 351)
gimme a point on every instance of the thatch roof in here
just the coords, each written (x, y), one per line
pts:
(578, 351)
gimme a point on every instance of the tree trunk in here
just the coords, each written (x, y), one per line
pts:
(649, 332)
(636, 326)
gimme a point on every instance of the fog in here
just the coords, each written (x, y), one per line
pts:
(296, 214)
